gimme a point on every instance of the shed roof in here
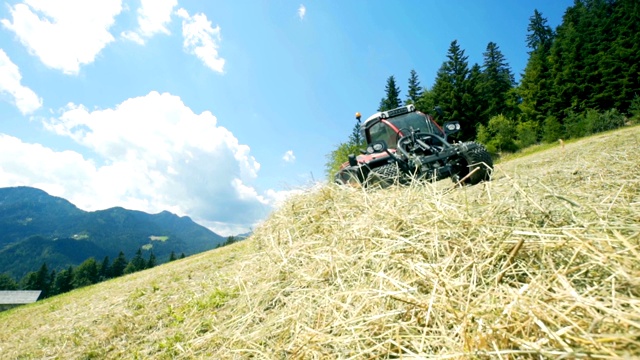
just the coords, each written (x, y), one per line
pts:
(11, 297)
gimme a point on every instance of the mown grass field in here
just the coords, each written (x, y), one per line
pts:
(541, 262)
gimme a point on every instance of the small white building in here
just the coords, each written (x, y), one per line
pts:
(13, 298)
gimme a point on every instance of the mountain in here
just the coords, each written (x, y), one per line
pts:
(243, 235)
(36, 227)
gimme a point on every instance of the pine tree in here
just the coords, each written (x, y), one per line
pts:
(392, 99)
(30, 281)
(496, 82)
(117, 268)
(595, 57)
(477, 103)
(452, 93)
(38, 280)
(540, 35)
(536, 83)
(172, 257)
(414, 91)
(137, 263)
(105, 269)
(565, 69)
(7, 282)
(230, 240)
(182, 256)
(152, 261)
(64, 281)
(426, 102)
(618, 54)
(51, 282)
(86, 273)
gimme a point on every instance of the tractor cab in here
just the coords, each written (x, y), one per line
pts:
(391, 125)
(404, 143)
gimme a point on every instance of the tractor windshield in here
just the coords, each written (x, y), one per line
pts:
(416, 121)
(404, 123)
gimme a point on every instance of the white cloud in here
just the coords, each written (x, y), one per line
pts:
(159, 155)
(201, 39)
(277, 198)
(153, 16)
(289, 157)
(302, 11)
(35, 165)
(23, 98)
(207, 187)
(133, 36)
(64, 34)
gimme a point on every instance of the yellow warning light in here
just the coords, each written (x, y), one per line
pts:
(358, 115)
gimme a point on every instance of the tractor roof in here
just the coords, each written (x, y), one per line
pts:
(388, 114)
(370, 119)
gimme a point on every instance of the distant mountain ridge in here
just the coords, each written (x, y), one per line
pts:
(36, 227)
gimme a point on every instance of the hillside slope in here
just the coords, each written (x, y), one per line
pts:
(541, 262)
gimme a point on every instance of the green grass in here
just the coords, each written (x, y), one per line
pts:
(503, 157)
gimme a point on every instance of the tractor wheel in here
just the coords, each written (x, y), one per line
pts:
(477, 158)
(384, 176)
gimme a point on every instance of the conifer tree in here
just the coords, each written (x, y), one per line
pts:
(392, 99)
(86, 273)
(38, 280)
(64, 281)
(452, 93)
(414, 91)
(536, 84)
(595, 58)
(137, 263)
(117, 268)
(30, 281)
(51, 281)
(105, 269)
(496, 82)
(540, 35)
(7, 282)
(477, 103)
(152, 261)
(43, 281)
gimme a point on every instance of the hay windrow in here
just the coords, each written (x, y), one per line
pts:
(542, 262)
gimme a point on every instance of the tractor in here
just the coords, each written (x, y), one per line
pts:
(404, 145)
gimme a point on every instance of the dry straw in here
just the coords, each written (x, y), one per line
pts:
(541, 262)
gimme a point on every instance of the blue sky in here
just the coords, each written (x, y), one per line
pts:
(217, 110)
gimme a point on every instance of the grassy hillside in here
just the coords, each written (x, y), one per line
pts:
(544, 261)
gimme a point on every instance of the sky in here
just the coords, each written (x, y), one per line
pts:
(216, 110)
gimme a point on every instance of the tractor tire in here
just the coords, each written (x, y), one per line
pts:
(478, 158)
(384, 176)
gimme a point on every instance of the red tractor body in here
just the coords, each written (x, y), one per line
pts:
(405, 144)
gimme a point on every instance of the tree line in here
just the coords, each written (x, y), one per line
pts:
(580, 79)
(87, 273)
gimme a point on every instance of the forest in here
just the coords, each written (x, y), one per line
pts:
(580, 79)
(89, 272)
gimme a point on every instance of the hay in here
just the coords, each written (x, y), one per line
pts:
(539, 263)
(542, 262)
